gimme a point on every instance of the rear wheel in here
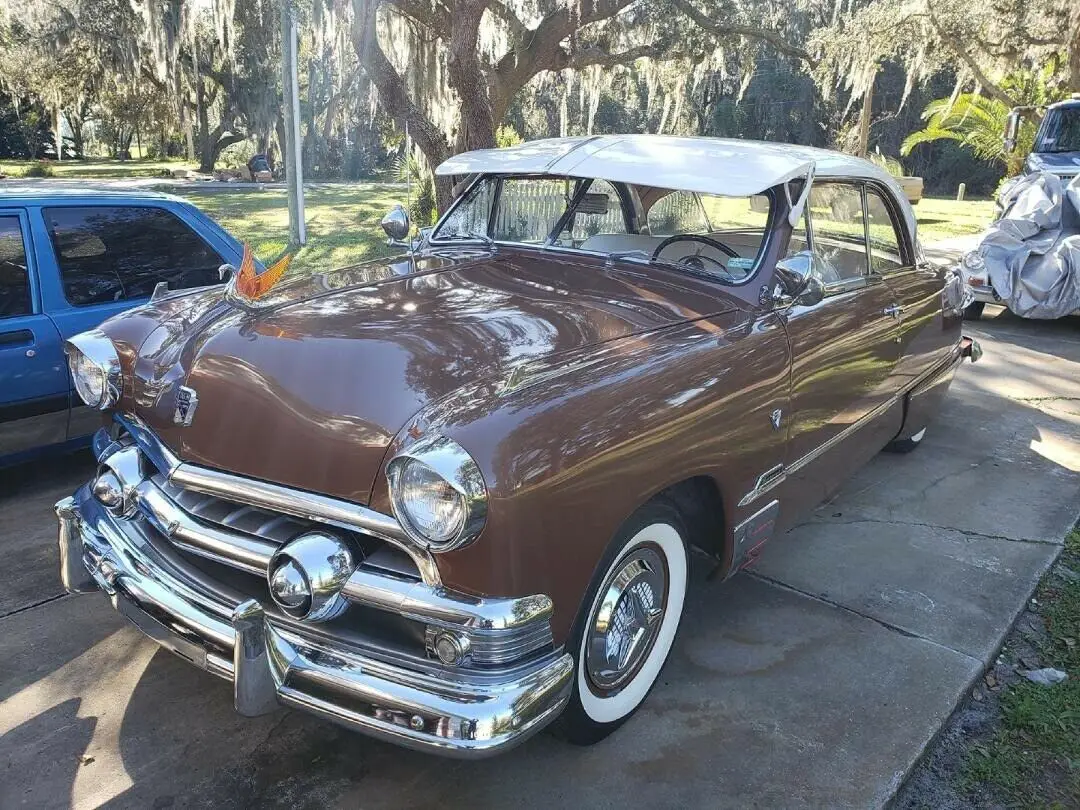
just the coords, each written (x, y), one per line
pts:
(628, 623)
(974, 310)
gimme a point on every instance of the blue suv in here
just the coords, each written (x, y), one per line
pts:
(69, 259)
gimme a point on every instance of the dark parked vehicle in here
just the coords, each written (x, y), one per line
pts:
(448, 498)
(69, 260)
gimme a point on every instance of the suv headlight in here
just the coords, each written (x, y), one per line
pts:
(95, 368)
(438, 494)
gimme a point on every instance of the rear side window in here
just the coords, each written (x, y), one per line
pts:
(836, 211)
(119, 253)
(14, 277)
(885, 255)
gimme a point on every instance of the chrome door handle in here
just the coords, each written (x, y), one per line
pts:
(895, 311)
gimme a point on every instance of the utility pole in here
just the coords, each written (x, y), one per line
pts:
(290, 96)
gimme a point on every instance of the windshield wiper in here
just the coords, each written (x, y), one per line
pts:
(468, 237)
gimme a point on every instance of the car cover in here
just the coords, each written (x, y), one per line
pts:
(1032, 253)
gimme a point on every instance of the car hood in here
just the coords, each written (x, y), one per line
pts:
(310, 390)
(1063, 163)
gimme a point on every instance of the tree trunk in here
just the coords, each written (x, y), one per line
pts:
(477, 128)
(59, 135)
(213, 146)
(395, 100)
(75, 123)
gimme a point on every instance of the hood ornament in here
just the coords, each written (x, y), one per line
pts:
(186, 403)
(244, 287)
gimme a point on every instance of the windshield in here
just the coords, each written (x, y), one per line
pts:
(1061, 131)
(720, 237)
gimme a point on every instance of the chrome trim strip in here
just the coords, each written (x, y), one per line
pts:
(238, 550)
(161, 456)
(229, 636)
(766, 481)
(457, 610)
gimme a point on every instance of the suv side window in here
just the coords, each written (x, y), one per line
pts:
(14, 274)
(117, 253)
(885, 253)
(836, 212)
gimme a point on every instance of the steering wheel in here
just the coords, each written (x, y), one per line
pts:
(694, 260)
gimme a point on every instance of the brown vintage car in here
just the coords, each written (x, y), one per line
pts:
(447, 498)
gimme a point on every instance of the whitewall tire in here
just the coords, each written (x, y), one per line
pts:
(628, 623)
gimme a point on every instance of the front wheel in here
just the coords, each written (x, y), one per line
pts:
(628, 623)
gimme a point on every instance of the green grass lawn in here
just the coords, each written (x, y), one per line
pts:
(941, 218)
(1034, 758)
(342, 221)
(96, 169)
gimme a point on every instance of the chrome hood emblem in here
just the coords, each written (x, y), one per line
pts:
(186, 403)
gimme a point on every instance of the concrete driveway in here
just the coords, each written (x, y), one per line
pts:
(815, 681)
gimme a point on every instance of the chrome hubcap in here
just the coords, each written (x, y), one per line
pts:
(626, 620)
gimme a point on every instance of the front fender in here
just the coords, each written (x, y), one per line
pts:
(571, 450)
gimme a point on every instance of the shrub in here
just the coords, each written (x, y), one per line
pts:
(38, 169)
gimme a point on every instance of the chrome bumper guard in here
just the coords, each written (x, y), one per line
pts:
(272, 661)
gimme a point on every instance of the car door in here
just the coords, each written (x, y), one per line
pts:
(844, 352)
(110, 258)
(33, 374)
(925, 338)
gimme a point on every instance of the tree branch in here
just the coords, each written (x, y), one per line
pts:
(394, 95)
(500, 11)
(957, 47)
(433, 16)
(775, 39)
(594, 55)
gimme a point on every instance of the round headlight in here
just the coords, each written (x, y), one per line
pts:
(95, 368)
(437, 493)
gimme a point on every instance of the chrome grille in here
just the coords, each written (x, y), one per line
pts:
(269, 526)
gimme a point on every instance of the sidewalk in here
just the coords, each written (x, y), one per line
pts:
(815, 681)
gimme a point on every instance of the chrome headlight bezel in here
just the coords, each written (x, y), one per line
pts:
(97, 348)
(450, 462)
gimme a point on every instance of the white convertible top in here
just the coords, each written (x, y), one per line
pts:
(722, 166)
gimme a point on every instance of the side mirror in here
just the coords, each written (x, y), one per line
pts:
(797, 283)
(1012, 130)
(396, 225)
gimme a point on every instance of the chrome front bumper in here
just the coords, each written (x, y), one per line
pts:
(271, 660)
